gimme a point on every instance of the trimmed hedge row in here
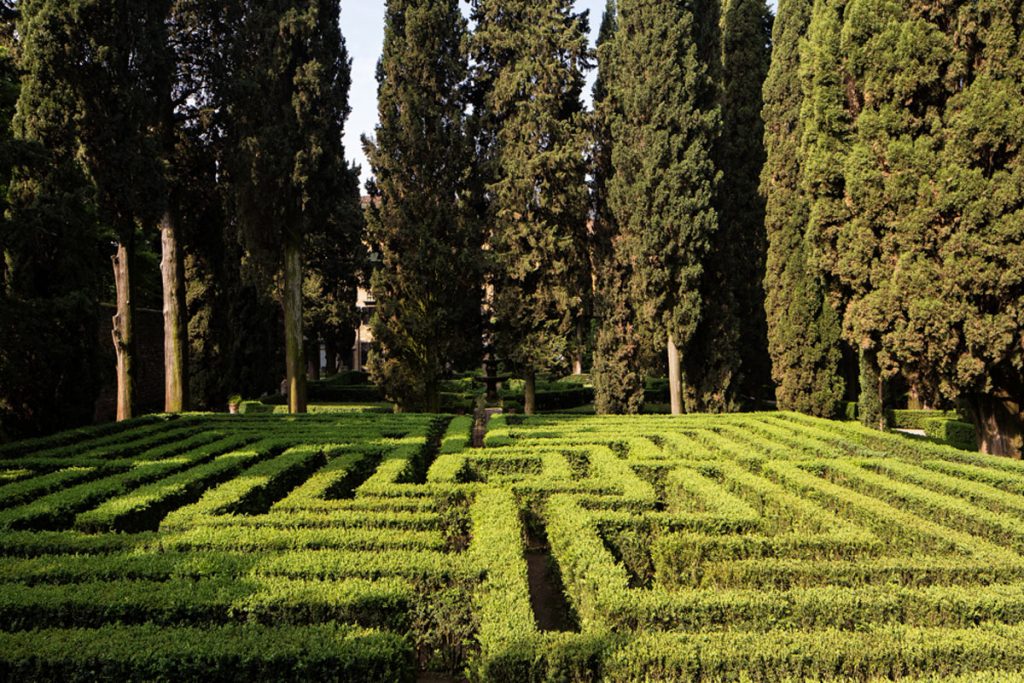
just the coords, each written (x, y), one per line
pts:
(144, 508)
(226, 653)
(276, 602)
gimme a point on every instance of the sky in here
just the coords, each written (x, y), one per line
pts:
(362, 24)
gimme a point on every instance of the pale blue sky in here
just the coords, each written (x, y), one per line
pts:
(362, 23)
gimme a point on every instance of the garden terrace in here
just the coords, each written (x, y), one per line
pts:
(382, 547)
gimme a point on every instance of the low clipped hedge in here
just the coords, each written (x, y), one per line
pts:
(227, 653)
(957, 434)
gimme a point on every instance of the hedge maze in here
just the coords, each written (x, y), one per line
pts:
(376, 547)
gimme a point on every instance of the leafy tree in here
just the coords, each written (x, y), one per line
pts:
(531, 59)
(803, 330)
(662, 191)
(288, 108)
(428, 288)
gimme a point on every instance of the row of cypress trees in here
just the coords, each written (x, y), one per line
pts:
(482, 160)
(209, 130)
(896, 206)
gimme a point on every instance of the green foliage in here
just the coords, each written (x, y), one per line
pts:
(663, 127)
(953, 432)
(803, 330)
(720, 542)
(50, 246)
(530, 61)
(729, 358)
(908, 129)
(428, 283)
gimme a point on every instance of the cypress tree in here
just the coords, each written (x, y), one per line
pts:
(288, 108)
(428, 289)
(982, 167)
(803, 330)
(50, 246)
(662, 191)
(115, 66)
(531, 59)
(928, 265)
(618, 382)
(234, 326)
(729, 352)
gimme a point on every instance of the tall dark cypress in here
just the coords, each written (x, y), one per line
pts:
(531, 59)
(662, 191)
(115, 66)
(288, 109)
(731, 365)
(428, 288)
(803, 329)
(618, 381)
(51, 253)
(927, 267)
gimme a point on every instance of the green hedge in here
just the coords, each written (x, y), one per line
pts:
(227, 653)
(957, 434)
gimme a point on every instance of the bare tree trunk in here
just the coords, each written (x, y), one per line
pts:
(675, 377)
(331, 367)
(294, 349)
(915, 400)
(124, 329)
(313, 361)
(999, 423)
(530, 393)
(172, 269)
(577, 359)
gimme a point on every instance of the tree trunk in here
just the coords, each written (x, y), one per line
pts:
(433, 398)
(675, 377)
(124, 329)
(915, 400)
(172, 269)
(872, 391)
(331, 367)
(577, 359)
(313, 361)
(294, 350)
(530, 393)
(999, 424)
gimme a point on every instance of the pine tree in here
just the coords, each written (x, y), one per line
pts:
(288, 108)
(662, 191)
(428, 289)
(530, 60)
(803, 330)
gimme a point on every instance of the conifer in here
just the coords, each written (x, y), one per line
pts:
(662, 191)
(530, 64)
(427, 288)
(288, 107)
(729, 359)
(803, 329)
